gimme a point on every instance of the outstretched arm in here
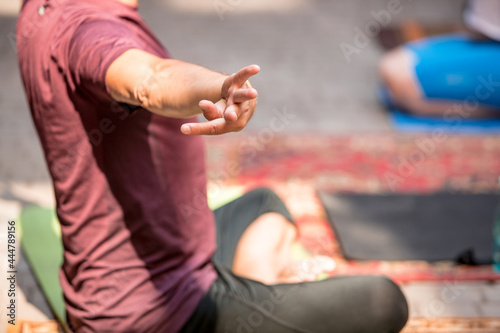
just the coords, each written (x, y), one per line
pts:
(178, 89)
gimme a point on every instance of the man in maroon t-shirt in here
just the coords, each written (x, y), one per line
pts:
(115, 116)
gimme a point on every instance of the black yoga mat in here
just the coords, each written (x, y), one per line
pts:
(432, 227)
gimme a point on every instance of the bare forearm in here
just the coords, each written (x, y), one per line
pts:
(175, 88)
(178, 89)
(168, 87)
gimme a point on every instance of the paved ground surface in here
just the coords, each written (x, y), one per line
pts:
(304, 71)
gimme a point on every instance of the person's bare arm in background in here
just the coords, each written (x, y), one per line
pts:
(178, 89)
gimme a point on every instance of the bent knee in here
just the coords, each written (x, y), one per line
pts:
(269, 202)
(264, 194)
(391, 307)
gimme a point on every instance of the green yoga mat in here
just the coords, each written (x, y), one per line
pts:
(40, 237)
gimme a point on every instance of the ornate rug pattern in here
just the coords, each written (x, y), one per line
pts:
(296, 166)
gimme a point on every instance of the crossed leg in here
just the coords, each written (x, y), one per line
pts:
(255, 239)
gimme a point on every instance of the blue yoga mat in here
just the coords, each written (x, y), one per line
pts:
(411, 123)
(405, 122)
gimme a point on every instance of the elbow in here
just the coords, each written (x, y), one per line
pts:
(150, 95)
(144, 95)
(150, 99)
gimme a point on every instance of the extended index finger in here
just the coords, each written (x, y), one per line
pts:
(244, 74)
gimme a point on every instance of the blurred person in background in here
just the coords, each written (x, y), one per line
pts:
(142, 251)
(449, 75)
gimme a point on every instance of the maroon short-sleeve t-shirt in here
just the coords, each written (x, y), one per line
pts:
(130, 188)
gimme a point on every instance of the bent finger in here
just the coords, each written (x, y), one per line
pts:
(210, 110)
(242, 95)
(212, 127)
(232, 113)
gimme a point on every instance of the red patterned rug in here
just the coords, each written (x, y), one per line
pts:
(297, 165)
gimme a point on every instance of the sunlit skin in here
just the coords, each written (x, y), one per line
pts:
(178, 89)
